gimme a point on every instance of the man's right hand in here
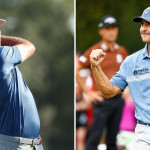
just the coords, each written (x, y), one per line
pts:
(95, 96)
(96, 57)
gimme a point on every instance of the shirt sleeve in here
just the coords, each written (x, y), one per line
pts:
(124, 52)
(9, 58)
(119, 79)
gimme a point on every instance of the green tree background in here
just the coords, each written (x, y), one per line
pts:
(49, 73)
(89, 13)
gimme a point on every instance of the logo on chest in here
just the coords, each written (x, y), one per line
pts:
(141, 71)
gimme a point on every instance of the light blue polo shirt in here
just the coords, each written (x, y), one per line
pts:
(135, 72)
(18, 113)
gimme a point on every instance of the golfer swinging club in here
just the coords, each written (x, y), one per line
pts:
(134, 72)
(19, 119)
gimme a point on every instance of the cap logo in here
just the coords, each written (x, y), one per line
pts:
(110, 20)
(146, 10)
(100, 25)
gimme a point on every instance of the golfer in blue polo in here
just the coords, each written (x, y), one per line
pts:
(19, 118)
(134, 73)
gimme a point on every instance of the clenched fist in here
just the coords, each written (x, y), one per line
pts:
(97, 56)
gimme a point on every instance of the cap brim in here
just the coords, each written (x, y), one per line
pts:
(139, 18)
(2, 22)
(109, 25)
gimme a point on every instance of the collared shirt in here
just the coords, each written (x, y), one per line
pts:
(110, 64)
(18, 113)
(135, 72)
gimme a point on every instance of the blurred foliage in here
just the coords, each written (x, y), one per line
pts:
(89, 13)
(49, 73)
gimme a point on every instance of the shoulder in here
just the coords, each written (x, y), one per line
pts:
(130, 61)
(133, 58)
(4, 50)
(94, 46)
(84, 59)
(89, 50)
(123, 50)
(9, 52)
(135, 54)
(8, 48)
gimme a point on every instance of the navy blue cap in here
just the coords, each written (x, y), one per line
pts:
(107, 21)
(145, 16)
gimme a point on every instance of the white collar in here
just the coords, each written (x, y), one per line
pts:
(104, 46)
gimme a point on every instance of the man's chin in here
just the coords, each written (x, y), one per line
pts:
(146, 41)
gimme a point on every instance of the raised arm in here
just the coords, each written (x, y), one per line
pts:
(25, 47)
(103, 83)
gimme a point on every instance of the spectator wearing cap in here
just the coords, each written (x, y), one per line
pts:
(106, 112)
(134, 72)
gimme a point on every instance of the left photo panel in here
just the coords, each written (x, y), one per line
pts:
(37, 75)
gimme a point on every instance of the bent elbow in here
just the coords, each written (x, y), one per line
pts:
(107, 96)
(30, 46)
(33, 48)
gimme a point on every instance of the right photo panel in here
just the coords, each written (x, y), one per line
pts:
(112, 75)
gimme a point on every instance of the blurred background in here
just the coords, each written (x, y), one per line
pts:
(49, 72)
(90, 12)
